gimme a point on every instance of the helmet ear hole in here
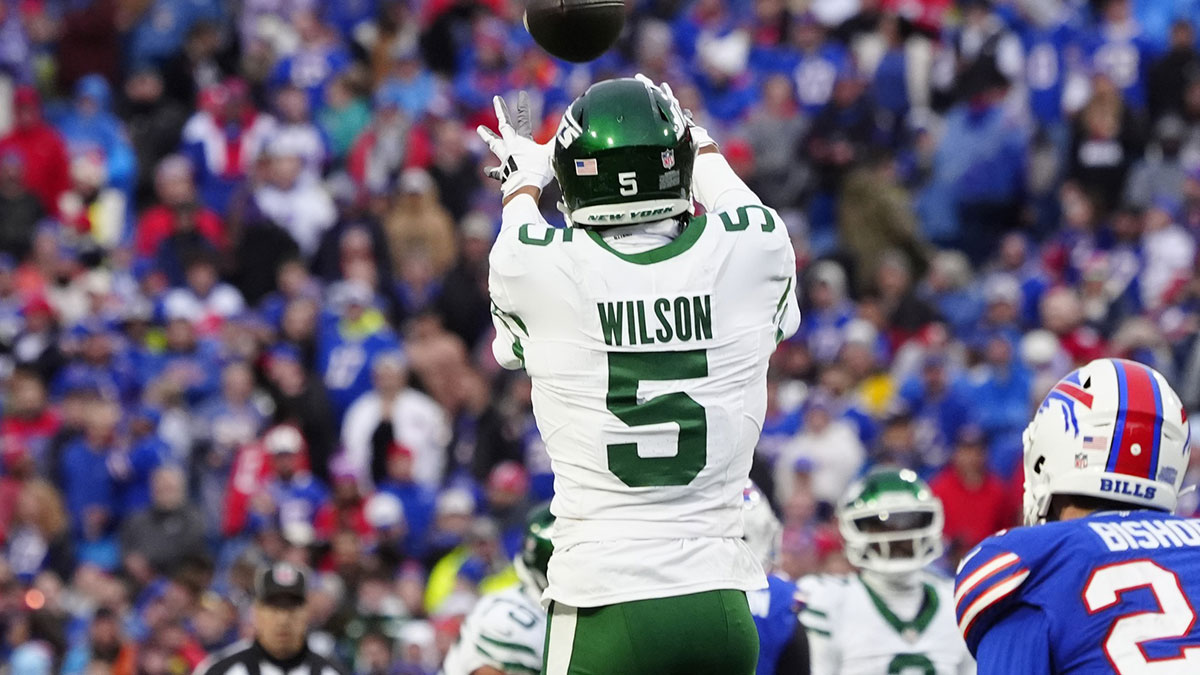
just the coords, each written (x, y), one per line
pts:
(1087, 384)
(1037, 466)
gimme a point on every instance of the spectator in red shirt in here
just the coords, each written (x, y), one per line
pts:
(1062, 314)
(41, 149)
(345, 510)
(28, 420)
(175, 185)
(975, 501)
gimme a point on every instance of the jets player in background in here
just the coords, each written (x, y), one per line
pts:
(782, 646)
(505, 631)
(891, 616)
(1108, 580)
(646, 332)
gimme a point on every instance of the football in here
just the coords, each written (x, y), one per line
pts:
(575, 30)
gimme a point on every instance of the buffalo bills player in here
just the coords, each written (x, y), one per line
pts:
(1110, 583)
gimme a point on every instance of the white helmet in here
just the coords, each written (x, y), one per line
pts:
(891, 522)
(762, 530)
(1113, 429)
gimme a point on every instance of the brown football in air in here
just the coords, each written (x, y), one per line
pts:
(575, 30)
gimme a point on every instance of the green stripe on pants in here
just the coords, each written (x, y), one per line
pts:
(710, 633)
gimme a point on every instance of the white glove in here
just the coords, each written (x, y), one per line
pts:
(523, 161)
(700, 137)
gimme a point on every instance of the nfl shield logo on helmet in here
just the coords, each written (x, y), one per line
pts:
(1081, 460)
(668, 159)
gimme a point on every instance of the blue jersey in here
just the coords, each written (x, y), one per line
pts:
(1110, 593)
(1047, 64)
(774, 610)
(344, 359)
(815, 73)
(1124, 56)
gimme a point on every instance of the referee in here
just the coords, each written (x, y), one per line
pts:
(280, 645)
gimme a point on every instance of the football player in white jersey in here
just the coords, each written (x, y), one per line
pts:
(892, 616)
(505, 631)
(646, 331)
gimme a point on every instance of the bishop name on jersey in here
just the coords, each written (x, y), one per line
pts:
(648, 322)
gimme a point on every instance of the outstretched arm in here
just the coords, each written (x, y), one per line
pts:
(525, 165)
(715, 185)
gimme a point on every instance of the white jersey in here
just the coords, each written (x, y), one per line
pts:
(505, 630)
(855, 630)
(648, 358)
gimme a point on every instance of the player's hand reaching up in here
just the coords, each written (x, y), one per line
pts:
(524, 163)
(700, 137)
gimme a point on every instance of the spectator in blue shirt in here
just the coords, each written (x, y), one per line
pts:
(1001, 390)
(1047, 35)
(978, 172)
(1120, 51)
(948, 288)
(292, 493)
(319, 59)
(90, 126)
(1016, 260)
(188, 364)
(349, 341)
(134, 463)
(829, 311)
(160, 28)
(409, 83)
(88, 484)
(96, 358)
(814, 63)
(417, 499)
(1001, 313)
(940, 406)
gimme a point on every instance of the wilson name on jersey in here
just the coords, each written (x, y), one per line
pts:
(1116, 591)
(855, 630)
(505, 631)
(671, 320)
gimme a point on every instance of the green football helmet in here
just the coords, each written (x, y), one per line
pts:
(623, 154)
(891, 522)
(533, 560)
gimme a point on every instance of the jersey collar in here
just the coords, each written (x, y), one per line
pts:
(683, 242)
(912, 629)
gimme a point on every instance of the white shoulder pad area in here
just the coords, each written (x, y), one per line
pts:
(819, 598)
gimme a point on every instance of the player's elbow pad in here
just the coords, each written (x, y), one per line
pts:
(506, 356)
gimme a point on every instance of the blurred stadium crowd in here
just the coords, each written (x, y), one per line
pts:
(244, 314)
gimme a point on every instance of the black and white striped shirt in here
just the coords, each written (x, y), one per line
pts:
(249, 658)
